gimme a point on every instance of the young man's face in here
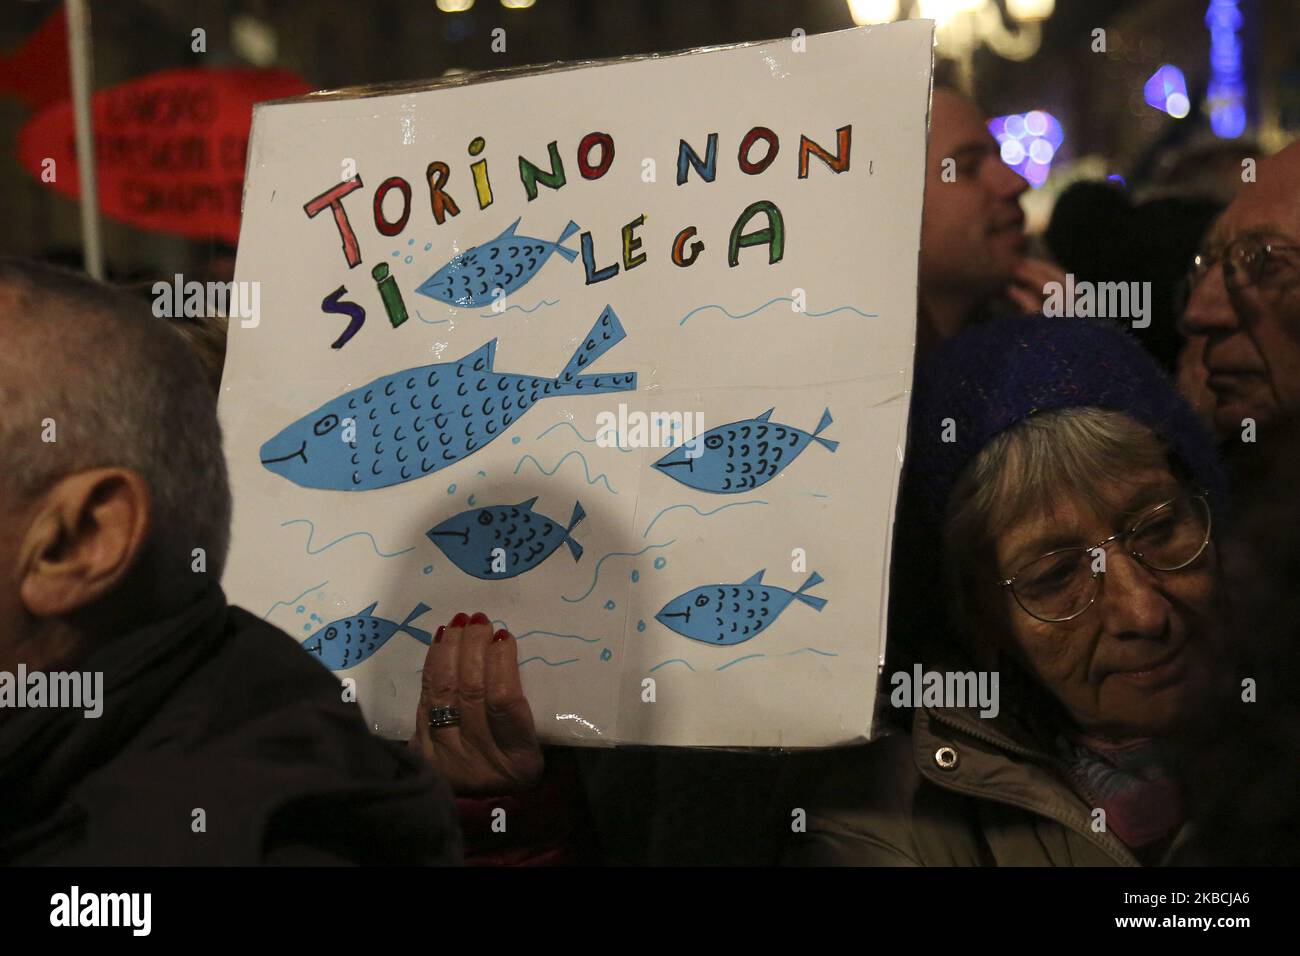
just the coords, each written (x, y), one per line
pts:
(972, 232)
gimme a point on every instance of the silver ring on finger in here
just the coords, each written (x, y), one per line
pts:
(443, 717)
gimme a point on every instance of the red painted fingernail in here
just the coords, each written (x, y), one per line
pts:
(480, 618)
(460, 620)
(438, 634)
(500, 635)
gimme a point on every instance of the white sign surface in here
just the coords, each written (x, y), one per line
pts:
(618, 354)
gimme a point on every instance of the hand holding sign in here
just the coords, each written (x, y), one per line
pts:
(494, 749)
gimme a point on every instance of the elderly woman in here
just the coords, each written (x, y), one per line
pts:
(1062, 495)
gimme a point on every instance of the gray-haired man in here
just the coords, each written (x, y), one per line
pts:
(142, 719)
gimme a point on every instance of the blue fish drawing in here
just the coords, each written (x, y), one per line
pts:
(724, 614)
(740, 456)
(412, 423)
(526, 538)
(350, 640)
(506, 263)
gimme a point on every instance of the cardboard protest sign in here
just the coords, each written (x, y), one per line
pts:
(618, 353)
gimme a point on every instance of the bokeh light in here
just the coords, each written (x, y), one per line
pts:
(1028, 142)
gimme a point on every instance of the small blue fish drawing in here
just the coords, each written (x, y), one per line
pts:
(723, 614)
(412, 423)
(740, 456)
(526, 538)
(350, 640)
(506, 263)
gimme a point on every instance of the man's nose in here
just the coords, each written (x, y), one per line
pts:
(1003, 181)
(1209, 309)
(1131, 602)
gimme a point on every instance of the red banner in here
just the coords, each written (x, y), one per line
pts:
(169, 147)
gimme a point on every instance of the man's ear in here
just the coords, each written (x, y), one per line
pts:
(86, 535)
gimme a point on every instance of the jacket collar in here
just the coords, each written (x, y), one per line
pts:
(1000, 759)
(43, 751)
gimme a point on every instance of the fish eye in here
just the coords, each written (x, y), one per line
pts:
(485, 517)
(326, 425)
(713, 441)
(702, 600)
(331, 633)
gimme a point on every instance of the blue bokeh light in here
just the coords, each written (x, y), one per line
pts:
(1225, 95)
(1166, 90)
(1028, 142)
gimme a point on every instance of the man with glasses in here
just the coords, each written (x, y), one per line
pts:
(1244, 300)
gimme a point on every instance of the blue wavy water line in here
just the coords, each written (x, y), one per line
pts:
(576, 637)
(702, 514)
(613, 554)
(312, 532)
(520, 637)
(586, 468)
(747, 657)
(294, 601)
(780, 298)
(431, 321)
(581, 436)
(675, 660)
(488, 315)
(529, 660)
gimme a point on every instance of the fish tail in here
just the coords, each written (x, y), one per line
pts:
(821, 426)
(604, 335)
(578, 515)
(569, 230)
(424, 637)
(815, 603)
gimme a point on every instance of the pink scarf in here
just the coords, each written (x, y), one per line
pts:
(1127, 779)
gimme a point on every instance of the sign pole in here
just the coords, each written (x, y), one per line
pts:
(79, 45)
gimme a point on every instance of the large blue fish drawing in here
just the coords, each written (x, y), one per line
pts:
(525, 538)
(723, 614)
(740, 456)
(414, 422)
(350, 640)
(506, 263)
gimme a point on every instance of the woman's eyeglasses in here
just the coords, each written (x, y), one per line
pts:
(1061, 585)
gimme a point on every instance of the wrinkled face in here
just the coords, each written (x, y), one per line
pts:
(972, 230)
(1251, 330)
(1141, 659)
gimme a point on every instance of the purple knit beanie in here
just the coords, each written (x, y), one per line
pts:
(998, 373)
